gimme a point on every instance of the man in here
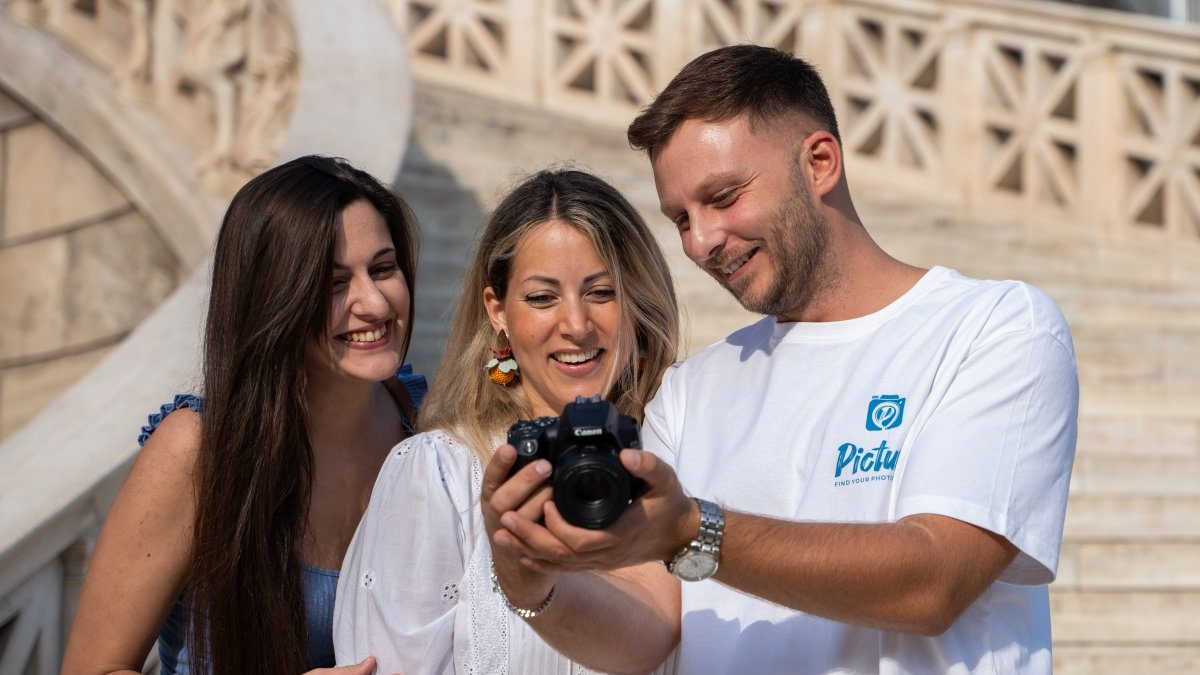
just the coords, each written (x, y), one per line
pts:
(881, 463)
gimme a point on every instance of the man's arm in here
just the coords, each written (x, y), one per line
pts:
(915, 575)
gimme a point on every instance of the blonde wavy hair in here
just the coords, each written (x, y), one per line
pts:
(464, 401)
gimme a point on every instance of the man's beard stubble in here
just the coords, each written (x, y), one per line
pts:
(797, 239)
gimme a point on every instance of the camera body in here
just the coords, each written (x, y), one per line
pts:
(583, 445)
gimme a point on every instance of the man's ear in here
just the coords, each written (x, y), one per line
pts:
(495, 309)
(822, 161)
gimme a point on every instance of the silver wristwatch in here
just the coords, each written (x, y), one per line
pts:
(699, 559)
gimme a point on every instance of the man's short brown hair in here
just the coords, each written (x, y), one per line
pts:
(765, 83)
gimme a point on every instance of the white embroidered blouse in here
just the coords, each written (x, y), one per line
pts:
(415, 589)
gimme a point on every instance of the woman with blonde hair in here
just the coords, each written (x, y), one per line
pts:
(567, 295)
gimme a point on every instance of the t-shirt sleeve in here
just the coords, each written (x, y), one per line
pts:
(659, 434)
(398, 590)
(998, 448)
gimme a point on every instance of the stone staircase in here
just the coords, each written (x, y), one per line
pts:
(1127, 599)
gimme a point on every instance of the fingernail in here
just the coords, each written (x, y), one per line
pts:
(542, 467)
(634, 460)
(507, 522)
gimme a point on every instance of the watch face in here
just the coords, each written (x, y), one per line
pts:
(695, 567)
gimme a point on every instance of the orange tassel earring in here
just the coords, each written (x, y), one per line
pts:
(503, 369)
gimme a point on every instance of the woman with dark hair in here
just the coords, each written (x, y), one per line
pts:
(568, 294)
(226, 538)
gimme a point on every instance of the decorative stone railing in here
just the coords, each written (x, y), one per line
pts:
(223, 72)
(1086, 117)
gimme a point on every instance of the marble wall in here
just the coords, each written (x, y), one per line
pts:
(80, 266)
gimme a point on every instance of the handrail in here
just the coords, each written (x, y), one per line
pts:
(1079, 115)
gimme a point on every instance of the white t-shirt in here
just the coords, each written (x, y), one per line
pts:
(960, 399)
(415, 589)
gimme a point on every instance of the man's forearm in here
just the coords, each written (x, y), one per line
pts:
(915, 576)
(626, 621)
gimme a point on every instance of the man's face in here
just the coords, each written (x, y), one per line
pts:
(741, 203)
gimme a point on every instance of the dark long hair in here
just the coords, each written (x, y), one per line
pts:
(271, 286)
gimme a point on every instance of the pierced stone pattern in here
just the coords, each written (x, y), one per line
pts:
(890, 87)
(1031, 120)
(956, 98)
(776, 23)
(468, 35)
(601, 51)
(224, 73)
(1160, 146)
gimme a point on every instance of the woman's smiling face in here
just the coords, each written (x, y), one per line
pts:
(369, 310)
(561, 315)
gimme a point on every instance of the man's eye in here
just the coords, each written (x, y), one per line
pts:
(724, 199)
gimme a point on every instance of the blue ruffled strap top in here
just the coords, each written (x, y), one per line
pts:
(320, 585)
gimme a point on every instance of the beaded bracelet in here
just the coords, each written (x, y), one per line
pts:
(521, 612)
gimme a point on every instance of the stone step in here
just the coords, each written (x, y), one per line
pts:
(1052, 254)
(1137, 354)
(1149, 618)
(1105, 659)
(1144, 474)
(1137, 434)
(1084, 306)
(1139, 421)
(1129, 565)
(1132, 518)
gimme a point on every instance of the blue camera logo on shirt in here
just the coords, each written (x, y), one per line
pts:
(885, 412)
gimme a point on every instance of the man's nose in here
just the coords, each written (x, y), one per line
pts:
(704, 238)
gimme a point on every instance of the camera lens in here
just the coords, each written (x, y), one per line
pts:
(591, 489)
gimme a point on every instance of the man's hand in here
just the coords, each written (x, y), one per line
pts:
(653, 528)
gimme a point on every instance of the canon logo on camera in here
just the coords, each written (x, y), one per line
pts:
(593, 431)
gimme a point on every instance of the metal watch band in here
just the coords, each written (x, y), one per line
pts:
(706, 545)
(712, 529)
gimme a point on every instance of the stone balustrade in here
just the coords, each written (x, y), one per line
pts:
(982, 103)
(224, 73)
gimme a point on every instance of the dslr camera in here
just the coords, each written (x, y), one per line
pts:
(591, 488)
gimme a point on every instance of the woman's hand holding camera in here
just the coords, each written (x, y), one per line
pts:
(523, 496)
